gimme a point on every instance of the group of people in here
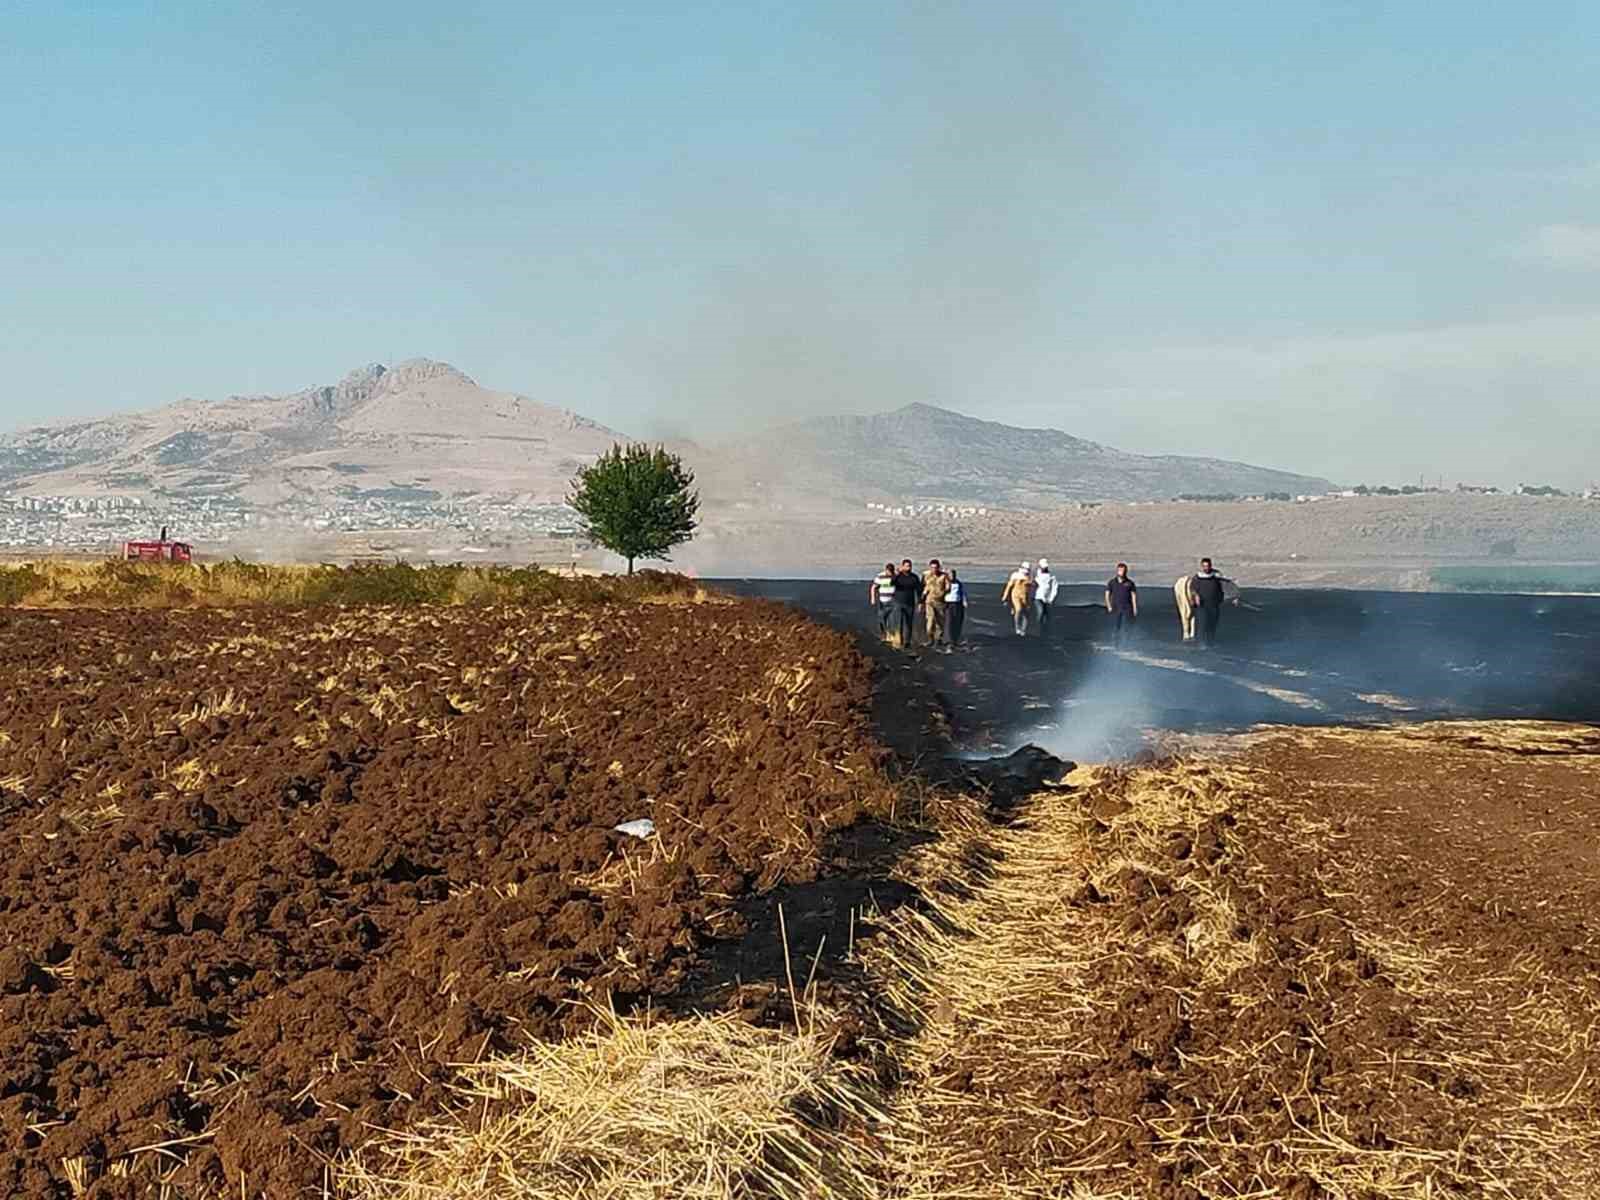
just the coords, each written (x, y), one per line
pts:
(898, 593)
(1029, 595)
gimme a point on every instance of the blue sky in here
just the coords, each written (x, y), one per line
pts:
(1356, 239)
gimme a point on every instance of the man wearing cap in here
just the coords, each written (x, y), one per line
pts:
(1018, 594)
(1045, 587)
(935, 592)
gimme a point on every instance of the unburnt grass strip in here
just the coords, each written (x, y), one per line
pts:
(57, 583)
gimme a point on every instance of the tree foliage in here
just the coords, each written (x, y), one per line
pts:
(637, 501)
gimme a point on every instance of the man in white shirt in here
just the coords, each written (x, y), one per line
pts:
(1045, 588)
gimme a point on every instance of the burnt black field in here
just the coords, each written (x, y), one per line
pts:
(1284, 656)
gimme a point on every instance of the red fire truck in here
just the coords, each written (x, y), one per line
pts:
(160, 550)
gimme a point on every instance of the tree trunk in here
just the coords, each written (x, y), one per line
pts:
(630, 564)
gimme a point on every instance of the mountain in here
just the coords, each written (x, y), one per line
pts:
(416, 429)
(921, 453)
(423, 430)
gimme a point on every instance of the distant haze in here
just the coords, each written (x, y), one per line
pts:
(1358, 243)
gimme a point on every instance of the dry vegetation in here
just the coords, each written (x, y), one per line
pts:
(117, 584)
(709, 1108)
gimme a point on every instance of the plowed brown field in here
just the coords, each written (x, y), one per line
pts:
(267, 873)
(1318, 964)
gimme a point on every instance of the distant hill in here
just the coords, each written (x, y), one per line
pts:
(423, 430)
(420, 428)
(924, 453)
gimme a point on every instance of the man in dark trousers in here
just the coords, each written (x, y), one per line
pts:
(907, 595)
(1122, 600)
(881, 597)
(1206, 593)
(956, 602)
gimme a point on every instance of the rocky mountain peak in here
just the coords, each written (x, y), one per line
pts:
(369, 383)
(418, 370)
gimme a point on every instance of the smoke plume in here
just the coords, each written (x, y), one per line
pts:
(909, 264)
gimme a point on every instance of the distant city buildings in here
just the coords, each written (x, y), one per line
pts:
(223, 525)
(219, 524)
(73, 504)
(920, 509)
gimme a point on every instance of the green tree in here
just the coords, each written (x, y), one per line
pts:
(637, 501)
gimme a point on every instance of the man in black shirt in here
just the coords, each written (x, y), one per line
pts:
(1206, 593)
(907, 595)
(1122, 599)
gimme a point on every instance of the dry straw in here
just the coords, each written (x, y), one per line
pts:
(1003, 976)
(709, 1108)
(1537, 738)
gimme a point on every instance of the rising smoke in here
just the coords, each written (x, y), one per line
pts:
(1308, 657)
(909, 263)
